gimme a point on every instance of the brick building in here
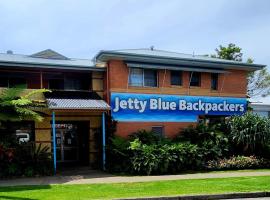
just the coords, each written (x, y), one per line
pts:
(142, 89)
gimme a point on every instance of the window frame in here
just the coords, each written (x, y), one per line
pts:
(143, 82)
(191, 76)
(180, 77)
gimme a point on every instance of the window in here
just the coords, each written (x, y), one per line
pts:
(13, 82)
(150, 78)
(143, 77)
(176, 77)
(136, 77)
(195, 78)
(56, 84)
(17, 82)
(3, 82)
(214, 81)
(158, 130)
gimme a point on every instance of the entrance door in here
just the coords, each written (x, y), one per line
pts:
(67, 144)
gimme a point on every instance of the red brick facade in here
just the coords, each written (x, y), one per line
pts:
(232, 84)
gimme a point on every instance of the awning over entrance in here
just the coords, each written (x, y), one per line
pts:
(75, 100)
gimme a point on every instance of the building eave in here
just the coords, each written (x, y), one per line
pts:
(51, 66)
(105, 56)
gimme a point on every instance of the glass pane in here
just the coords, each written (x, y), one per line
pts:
(136, 77)
(73, 84)
(150, 78)
(3, 82)
(195, 79)
(158, 130)
(176, 78)
(17, 82)
(214, 81)
(57, 84)
(70, 154)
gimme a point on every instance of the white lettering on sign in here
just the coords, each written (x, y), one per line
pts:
(131, 104)
(183, 105)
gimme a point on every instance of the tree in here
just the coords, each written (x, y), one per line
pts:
(231, 52)
(258, 82)
(14, 106)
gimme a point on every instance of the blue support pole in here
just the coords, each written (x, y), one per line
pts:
(103, 141)
(54, 141)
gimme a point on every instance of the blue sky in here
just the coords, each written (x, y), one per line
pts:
(80, 28)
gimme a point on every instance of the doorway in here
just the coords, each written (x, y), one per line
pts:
(72, 143)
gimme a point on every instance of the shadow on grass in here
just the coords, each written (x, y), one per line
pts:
(23, 188)
(14, 198)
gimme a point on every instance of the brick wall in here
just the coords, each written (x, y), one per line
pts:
(232, 84)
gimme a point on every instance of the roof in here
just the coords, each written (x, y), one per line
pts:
(47, 59)
(260, 106)
(49, 54)
(75, 100)
(77, 104)
(173, 58)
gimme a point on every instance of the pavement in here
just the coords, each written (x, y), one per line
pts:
(93, 177)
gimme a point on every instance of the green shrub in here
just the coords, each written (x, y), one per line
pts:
(163, 158)
(210, 139)
(238, 162)
(145, 137)
(250, 134)
(118, 155)
(18, 161)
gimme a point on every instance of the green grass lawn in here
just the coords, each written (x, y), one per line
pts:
(120, 190)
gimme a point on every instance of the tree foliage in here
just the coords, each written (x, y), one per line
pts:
(258, 82)
(231, 52)
(16, 106)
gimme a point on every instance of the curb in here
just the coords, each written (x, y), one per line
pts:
(206, 197)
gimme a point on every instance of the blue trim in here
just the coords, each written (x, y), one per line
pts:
(54, 141)
(103, 141)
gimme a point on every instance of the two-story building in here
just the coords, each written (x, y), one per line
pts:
(166, 91)
(142, 89)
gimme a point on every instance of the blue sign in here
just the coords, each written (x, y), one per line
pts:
(172, 108)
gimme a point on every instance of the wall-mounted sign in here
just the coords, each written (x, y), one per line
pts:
(172, 108)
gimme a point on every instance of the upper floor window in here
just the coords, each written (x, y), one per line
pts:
(12, 82)
(195, 79)
(214, 81)
(68, 81)
(176, 78)
(142, 77)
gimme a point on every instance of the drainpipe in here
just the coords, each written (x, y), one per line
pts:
(103, 142)
(54, 142)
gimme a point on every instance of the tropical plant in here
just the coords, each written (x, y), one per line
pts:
(163, 158)
(249, 133)
(209, 138)
(146, 137)
(16, 106)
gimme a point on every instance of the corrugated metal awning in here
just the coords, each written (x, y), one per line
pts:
(170, 67)
(75, 100)
(84, 104)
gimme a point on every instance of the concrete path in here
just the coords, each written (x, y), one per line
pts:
(92, 177)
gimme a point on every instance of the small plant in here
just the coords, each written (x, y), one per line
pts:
(238, 162)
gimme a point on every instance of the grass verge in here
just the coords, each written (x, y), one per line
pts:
(122, 190)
